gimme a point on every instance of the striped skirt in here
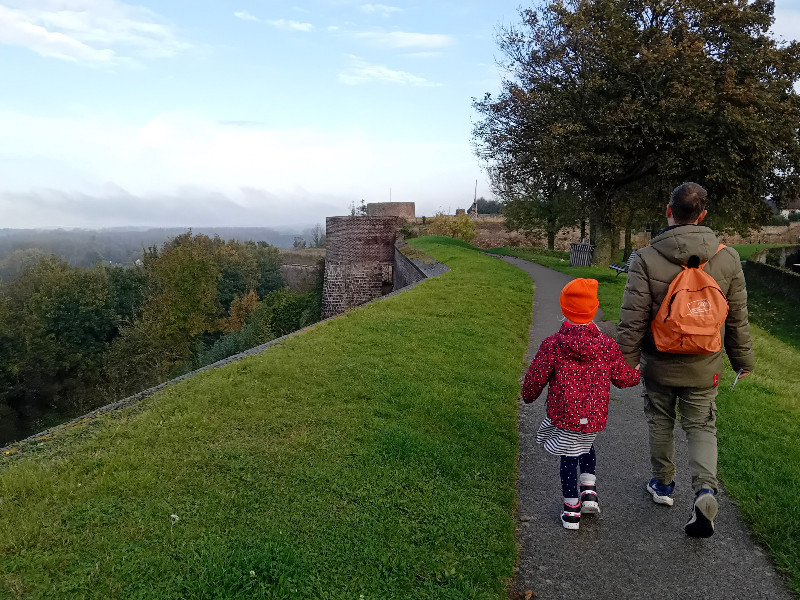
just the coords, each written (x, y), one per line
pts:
(563, 442)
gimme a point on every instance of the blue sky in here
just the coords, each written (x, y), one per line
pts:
(252, 112)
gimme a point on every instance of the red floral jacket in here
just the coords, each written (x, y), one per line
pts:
(579, 363)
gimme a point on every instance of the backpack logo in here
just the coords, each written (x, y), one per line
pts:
(699, 307)
(692, 313)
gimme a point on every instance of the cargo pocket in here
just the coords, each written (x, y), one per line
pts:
(712, 414)
(648, 407)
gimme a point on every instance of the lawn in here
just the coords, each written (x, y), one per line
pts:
(759, 422)
(372, 456)
(747, 250)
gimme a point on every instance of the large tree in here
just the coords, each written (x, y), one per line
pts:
(612, 93)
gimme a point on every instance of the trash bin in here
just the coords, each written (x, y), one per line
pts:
(580, 255)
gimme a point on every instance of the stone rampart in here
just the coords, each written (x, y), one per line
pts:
(359, 261)
(405, 210)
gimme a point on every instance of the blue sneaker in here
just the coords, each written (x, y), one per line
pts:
(701, 523)
(662, 494)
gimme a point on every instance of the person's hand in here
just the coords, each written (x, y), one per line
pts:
(638, 367)
(744, 374)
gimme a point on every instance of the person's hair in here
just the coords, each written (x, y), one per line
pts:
(688, 200)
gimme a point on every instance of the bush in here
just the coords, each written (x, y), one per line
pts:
(460, 227)
(794, 217)
(777, 220)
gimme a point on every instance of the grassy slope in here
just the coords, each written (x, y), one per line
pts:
(373, 455)
(759, 422)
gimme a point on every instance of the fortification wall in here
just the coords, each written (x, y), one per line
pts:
(405, 271)
(359, 261)
(406, 210)
(301, 278)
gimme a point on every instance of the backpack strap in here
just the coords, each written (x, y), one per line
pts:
(702, 266)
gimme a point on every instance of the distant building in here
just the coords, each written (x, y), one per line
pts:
(791, 208)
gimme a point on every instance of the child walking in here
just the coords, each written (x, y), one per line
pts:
(579, 362)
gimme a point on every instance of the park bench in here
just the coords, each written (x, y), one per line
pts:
(623, 268)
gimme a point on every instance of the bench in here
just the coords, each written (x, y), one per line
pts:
(623, 268)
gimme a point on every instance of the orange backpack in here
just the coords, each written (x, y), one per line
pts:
(692, 313)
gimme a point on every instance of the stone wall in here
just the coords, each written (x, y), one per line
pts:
(301, 278)
(406, 210)
(405, 271)
(359, 261)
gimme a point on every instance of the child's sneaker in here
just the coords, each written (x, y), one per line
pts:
(662, 493)
(705, 509)
(589, 503)
(571, 516)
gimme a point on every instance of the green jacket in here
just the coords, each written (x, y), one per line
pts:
(649, 276)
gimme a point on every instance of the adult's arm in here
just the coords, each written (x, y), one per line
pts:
(738, 343)
(634, 317)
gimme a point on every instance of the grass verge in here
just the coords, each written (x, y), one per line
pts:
(372, 456)
(758, 422)
(611, 287)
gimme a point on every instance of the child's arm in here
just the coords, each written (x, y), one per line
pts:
(539, 372)
(622, 375)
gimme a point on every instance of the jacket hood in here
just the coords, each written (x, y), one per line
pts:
(579, 342)
(679, 244)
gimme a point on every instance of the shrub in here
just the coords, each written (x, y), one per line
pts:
(460, 227)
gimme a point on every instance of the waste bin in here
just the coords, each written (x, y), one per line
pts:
(580, 255)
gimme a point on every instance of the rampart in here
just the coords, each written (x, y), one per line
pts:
(359, 261)
(405, 210)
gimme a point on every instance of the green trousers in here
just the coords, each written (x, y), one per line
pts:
(698, 417)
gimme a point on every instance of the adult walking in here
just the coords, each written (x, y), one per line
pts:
(688, 381)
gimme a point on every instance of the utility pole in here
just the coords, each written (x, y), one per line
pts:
(475, 199)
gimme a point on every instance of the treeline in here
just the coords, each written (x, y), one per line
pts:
(87, 247)
(73, 338)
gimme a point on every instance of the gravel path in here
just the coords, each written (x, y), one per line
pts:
(635, 548)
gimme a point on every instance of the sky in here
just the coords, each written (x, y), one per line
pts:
(191, 113)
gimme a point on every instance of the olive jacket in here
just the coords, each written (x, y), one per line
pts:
(649, 276)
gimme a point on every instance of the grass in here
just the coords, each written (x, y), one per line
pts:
(747, 250)
(371, 456)
(758, 422)
(611, 287)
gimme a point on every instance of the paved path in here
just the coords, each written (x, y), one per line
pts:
(635, 548)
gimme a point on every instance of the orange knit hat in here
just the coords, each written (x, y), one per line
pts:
(579, 301)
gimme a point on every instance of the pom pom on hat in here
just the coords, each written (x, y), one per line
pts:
(579, 301)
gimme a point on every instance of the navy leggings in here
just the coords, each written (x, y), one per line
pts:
(569, 471)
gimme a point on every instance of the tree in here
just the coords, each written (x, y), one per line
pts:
(317, 236)
(608, 93)
(299, 242)
(542, 209)
(489, 207)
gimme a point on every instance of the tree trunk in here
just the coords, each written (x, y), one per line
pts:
(628, 240)
(583, 229)
(552, 230)
(605, 239)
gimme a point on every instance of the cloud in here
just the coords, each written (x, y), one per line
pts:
(90, 32)
(381, 9)
(360, 71)
(403, 39)
(287, 25)
(181, 169)
(245, 16)
(785, 25)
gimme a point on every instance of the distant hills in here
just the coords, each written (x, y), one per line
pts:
(87, 247)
